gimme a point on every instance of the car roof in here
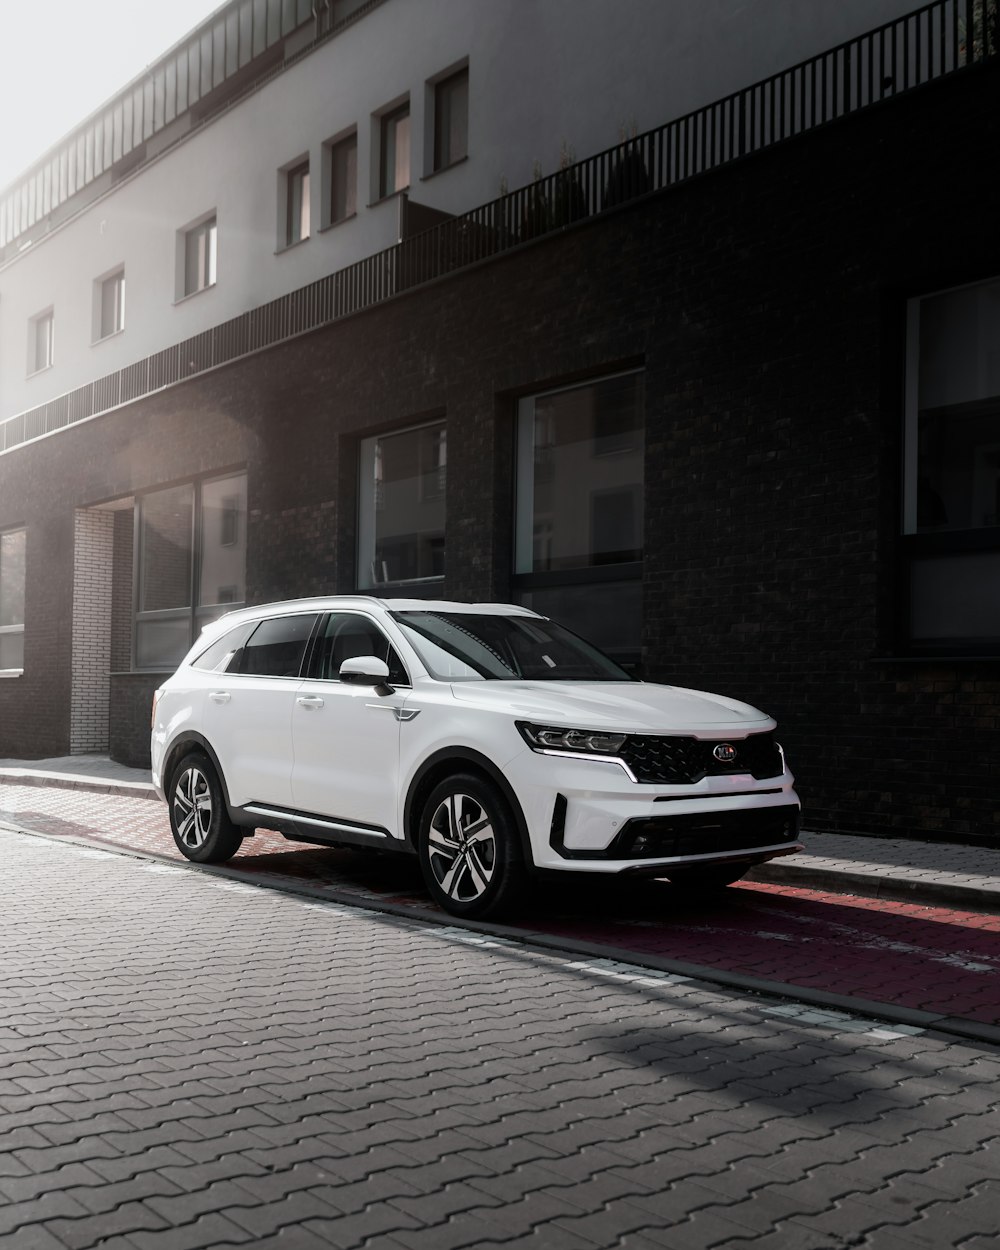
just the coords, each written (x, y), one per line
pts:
(331, 603)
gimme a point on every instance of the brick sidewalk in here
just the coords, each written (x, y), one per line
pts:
(931, 967)
(191, 1062)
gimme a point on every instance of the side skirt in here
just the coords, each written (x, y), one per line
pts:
(322, 830)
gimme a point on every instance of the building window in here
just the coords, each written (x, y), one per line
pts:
(579, 517)
(296, 204)
(402, 506)
(109, 305)
(191, 563)
(451, 119)
(394, 151)
(12, 548)
(41, 341)
(951, 521)
(342, 158)
(199, 248)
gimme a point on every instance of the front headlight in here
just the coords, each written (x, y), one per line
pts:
(579, 741)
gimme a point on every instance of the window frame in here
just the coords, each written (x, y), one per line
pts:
(100, 333)
(47, 317)
(346, 141)
(441, 106)
(197, 614)
(391, 117)
(367, 508)
(207, 224)
(16, 629)
(295, 185)
(917, 546)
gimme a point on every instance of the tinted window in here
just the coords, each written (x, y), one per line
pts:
(276, 646)
(348, 635)
(224, 652)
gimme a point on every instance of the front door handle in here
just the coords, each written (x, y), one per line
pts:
(220, 696)
(309, 700)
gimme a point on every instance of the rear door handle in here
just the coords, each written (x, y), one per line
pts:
(309, 700)
(220, 696)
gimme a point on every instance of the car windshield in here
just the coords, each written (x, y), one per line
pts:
(480, 646)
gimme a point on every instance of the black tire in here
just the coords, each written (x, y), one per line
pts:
(709, 878)
(470, 853)
(199, 819)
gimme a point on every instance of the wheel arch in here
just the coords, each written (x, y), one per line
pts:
(184, 745)
(445, 763)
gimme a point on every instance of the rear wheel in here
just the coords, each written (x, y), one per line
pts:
(199, 820)
(710, 877)
(469, 849)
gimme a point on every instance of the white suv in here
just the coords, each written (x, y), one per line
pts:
(484, 738)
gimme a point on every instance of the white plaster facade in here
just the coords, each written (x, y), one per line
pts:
(545, 77)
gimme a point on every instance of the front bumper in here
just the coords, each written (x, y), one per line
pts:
(587, 815)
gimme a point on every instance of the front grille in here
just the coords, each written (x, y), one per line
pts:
(683, 761)
(661, 837)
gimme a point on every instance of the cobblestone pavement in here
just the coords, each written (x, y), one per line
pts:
(933, 959)
(192, 1062)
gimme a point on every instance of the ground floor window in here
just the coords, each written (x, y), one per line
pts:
(190, 564)
(401, 512)
(12, 549)
(951, 514)
(579, 513)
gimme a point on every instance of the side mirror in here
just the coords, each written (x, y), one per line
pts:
(366, 670)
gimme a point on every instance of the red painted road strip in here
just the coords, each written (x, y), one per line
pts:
(931, 958)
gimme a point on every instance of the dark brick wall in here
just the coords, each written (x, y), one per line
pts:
(766, 303)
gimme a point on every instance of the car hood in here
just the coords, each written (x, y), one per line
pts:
(625, 707)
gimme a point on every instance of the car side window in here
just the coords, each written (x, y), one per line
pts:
(276, 647)
(224, 653)
(348, 635)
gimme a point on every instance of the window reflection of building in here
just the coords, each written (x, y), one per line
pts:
(403, 480)
(951, 520)
(191, 561)
(579, 522)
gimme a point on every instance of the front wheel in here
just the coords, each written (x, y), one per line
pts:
(199, 820)
(469, 849)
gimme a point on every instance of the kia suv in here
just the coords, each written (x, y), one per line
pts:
(485, 739)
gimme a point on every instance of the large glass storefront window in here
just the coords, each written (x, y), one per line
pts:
(403, 478)
(951, 521)
(191, 561)
(12, 549)
(579, 526)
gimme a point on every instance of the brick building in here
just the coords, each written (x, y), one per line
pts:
(725, 397)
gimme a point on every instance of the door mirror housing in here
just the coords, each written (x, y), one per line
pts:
(366, 670)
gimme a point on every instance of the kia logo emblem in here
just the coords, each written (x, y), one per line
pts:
(724, 753)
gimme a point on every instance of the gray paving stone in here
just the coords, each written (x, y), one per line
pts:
(400, 1091)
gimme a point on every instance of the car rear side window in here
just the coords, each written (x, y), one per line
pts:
(224, 653)
(276, 647)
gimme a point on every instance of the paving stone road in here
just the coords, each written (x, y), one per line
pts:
(190, 1061)
(911, 956)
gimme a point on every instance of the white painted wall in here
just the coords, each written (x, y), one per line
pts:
(543, 74)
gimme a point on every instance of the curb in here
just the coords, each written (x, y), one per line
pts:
(949, 1026)
(879, 885)
(72, 781)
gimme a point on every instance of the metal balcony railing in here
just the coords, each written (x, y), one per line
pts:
(936, 40)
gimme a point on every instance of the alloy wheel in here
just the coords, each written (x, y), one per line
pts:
(462, 848)
(192, 808)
